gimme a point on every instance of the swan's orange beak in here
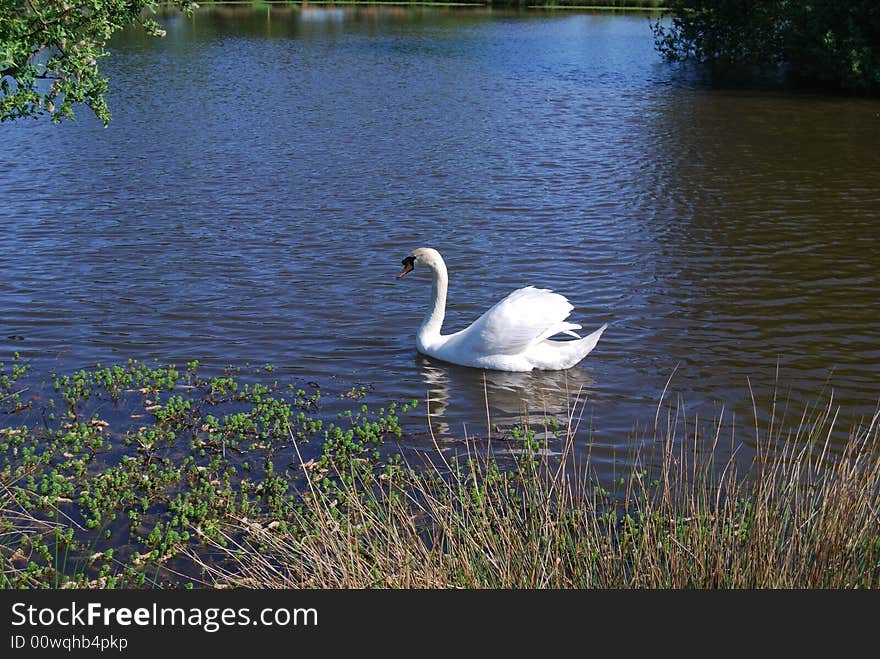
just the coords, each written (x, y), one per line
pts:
(408, 265)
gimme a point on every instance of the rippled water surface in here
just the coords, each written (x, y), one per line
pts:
(266, 171)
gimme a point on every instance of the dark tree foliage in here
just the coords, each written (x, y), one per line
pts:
(830, 42)
(50, 49)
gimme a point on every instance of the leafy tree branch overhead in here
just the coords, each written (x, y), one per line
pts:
(50, 51)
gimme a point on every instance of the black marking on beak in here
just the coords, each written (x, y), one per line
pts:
(408, 264)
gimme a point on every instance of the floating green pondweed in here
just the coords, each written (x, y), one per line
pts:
(139, 464)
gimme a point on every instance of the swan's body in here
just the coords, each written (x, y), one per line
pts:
(514, 335)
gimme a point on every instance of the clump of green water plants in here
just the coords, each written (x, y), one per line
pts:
(114, 478)
(10, 390)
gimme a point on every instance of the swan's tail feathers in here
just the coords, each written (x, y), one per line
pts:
(558, 355)
(586, 344)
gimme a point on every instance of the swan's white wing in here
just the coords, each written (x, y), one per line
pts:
(524, 317)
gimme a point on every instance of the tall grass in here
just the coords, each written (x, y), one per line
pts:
(791, 516)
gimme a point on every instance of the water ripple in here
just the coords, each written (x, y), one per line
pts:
(259, 184)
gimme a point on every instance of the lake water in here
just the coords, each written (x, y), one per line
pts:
(266, 171)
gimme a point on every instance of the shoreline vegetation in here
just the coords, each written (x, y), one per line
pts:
(589, 5)
(154, 476)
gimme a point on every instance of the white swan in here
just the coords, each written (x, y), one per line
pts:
(514, 335)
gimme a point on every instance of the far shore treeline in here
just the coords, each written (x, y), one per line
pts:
(587, 4)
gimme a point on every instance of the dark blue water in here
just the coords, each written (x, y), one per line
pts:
(265, 172)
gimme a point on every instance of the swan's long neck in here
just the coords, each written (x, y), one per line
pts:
(429, 332)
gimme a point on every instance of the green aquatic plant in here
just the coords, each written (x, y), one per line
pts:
(10, 389)
(144, 461)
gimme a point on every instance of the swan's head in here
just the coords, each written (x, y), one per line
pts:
(423, 256)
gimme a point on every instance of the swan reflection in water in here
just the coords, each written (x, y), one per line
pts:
(511, 396)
